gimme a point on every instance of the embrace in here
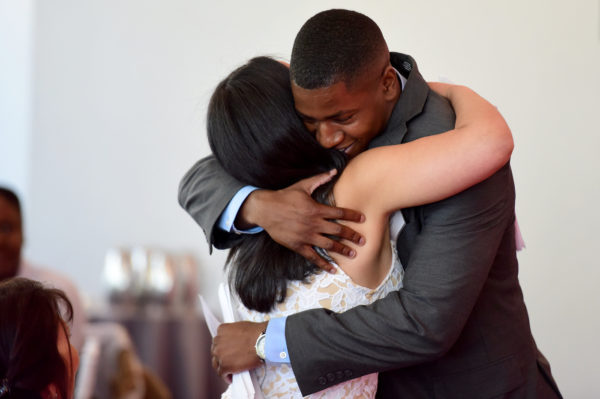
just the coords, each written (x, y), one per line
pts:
(371, 222)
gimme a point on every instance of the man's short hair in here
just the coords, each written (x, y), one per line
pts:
(335, 45)
(11, 197)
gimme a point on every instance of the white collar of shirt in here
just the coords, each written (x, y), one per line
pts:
(402, 78)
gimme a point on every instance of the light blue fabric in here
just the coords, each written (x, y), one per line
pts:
(276, 350)
(230, 213)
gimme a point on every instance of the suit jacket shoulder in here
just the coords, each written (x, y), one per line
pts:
(204, 192)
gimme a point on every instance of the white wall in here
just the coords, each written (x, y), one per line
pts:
(16, 64)
(120, 92)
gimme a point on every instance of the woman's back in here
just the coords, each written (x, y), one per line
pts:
(372, 261)
(337, 292)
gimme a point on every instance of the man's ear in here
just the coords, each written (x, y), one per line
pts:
(390, 83)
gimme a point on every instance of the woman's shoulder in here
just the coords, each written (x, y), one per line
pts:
(364, 175)
(371, 159)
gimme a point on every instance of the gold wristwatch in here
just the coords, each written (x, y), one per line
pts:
(260, 345)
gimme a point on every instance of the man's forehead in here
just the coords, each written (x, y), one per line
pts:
(326, 102)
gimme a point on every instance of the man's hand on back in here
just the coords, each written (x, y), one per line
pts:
(293, 219)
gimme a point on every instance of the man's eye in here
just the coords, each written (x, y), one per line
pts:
(344, 119)
(310, 126)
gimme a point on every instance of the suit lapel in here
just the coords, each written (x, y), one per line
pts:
(410, 104)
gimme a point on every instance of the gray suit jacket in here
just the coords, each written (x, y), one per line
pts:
(459, 326)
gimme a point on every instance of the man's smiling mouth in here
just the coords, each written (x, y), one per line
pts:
(347, 148)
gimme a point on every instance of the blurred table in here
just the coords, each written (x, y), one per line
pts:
(174, 345)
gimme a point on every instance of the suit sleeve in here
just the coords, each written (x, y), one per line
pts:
(448, 266)
(204, 193)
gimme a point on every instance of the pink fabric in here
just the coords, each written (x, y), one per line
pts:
(520, 243)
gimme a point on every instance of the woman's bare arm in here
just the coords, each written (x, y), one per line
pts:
(435, 167)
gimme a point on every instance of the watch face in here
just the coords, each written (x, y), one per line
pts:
(260, 346)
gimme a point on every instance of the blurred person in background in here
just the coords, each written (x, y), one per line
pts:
(12, 263)
(37, 360)
(118, 380)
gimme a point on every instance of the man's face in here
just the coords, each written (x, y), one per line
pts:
(11, 239)
(344, 118)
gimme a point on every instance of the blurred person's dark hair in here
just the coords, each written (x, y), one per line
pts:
(30, 361)
(11, 197)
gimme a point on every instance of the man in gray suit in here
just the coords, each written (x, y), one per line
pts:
(459, 326)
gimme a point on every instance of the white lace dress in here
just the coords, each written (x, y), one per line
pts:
(332, 291)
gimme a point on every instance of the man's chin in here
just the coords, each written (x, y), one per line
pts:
(354, 150)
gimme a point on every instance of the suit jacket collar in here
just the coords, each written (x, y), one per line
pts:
(409, 104)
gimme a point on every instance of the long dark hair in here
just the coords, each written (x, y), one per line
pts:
(30, 316)
(258, 138)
